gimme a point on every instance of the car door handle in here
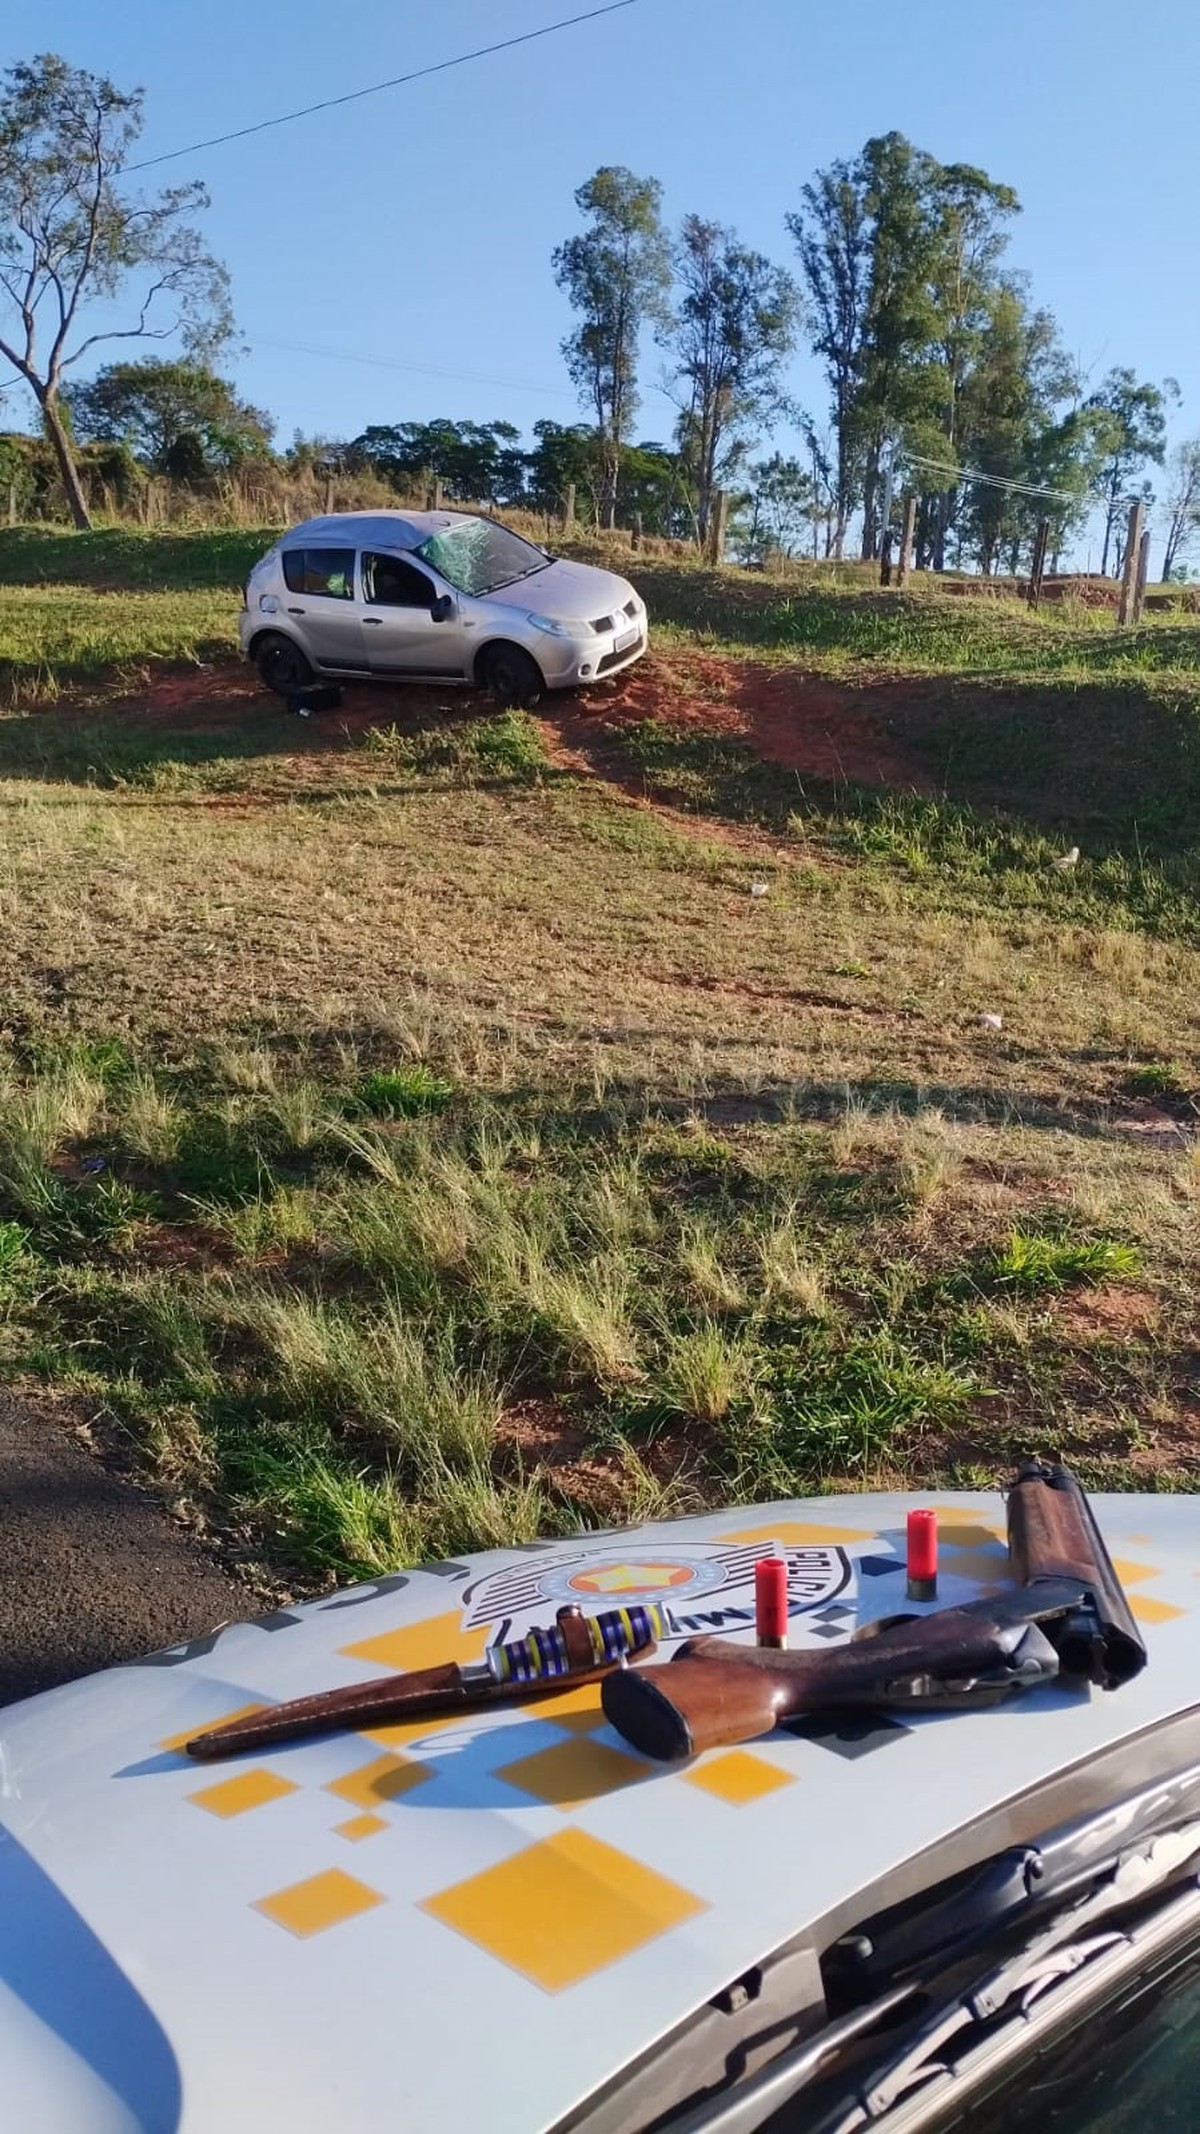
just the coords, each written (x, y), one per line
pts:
(376, 621)
(295, 611)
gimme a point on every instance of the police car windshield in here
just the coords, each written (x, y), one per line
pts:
(477, 556)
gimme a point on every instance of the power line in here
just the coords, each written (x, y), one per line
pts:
(398, 81)
(429, 370)
(994, 481)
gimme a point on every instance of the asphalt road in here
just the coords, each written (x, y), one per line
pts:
(92, 1571)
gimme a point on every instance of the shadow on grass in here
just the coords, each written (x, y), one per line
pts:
(410, 732)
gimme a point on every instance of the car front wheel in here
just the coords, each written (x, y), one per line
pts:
(511, 678)
(282, 665)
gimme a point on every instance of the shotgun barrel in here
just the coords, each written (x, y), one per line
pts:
(1052, 1535)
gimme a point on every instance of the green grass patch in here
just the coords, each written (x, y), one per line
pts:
(1031, 1261)
(403, 1092)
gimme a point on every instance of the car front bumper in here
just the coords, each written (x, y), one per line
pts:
(568, 664)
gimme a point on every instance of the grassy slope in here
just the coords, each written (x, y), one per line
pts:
(409, 1144)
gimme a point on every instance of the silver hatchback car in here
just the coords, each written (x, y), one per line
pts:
(441, 596)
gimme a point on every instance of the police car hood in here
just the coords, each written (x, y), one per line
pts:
(477, 1922)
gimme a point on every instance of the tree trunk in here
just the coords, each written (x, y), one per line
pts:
(1108, 527)
(609, 475)
(61, 443)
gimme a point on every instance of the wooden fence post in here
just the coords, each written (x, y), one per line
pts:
(568, 515)
(1037, 569)
(12, 503)
(1143, 572)
(907, 536)
(435, 496)
(1133, 554)
(885, 558)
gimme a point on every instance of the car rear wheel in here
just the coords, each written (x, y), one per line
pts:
(511, 678)
(282, 665)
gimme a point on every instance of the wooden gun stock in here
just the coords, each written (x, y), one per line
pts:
(714, 1692)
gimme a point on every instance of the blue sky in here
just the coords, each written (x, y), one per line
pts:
(416, 227)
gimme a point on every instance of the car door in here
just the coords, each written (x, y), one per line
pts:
(399, 632)
(321, 605)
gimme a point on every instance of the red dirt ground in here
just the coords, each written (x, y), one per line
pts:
(781, 713)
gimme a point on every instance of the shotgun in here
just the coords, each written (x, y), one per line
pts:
(1068, 1619)
(540, 1664)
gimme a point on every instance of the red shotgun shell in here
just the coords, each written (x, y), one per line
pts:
(771, 1601)
(922, 1555)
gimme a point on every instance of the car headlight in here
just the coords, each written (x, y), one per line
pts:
(559, 629)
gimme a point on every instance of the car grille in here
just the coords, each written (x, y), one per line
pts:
(601, 624)
(618, 659)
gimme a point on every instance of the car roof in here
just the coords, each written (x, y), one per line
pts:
(377, 529)
(315, 1932)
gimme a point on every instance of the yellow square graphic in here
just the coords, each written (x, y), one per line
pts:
(959, 1534)
(384, 1779)
(581, 1704)
(1148, 1610)
(1134, 1574)
(738, 1777)
(580, 1719)
(361, 1826)
(561, 1910)
(798, 1534)
(573, 1771)
(177, 1742)
(428, 1644)
(322, 1901)
(250, 1789)
(989, 1566)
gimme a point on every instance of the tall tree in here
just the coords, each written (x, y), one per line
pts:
(898, 185)
(616, 273)
(1183, 503)
(831, 229)
(1008, 425)
(153, 404)
(72, 236)
(969, 241)
(1136, 426)
(735, 323)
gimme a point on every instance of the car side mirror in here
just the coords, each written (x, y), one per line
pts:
(442, 609)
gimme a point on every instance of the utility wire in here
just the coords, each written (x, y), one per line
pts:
(398, 81)
(994, 481)
(429, 370)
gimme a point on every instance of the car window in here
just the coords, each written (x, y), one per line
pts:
(326, 573)
(477, 556)
(1132, 2067)
(390, 583)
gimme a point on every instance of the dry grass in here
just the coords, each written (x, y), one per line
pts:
(355, 1089)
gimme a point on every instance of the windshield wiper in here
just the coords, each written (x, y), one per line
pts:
(1062, 1888)
(1024, 1986)
(519, 577)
